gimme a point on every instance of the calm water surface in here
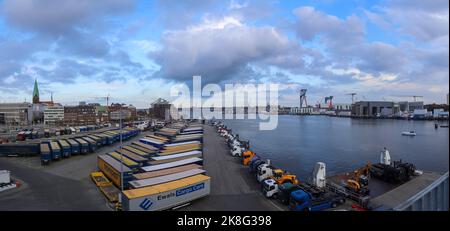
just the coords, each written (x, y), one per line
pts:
(343, 143)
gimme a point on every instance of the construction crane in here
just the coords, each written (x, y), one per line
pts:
(329, 100)
(413, 96)
(303, 98)
(107, 98)
(353, 97)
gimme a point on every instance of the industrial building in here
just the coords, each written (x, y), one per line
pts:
(375, 108)
(161, 109)
(301, 111)
(54, 115)
(15, 113)
(409, 107)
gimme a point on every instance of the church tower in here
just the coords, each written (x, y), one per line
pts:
(35, 92)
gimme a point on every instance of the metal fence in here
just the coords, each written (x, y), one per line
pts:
(432, 198)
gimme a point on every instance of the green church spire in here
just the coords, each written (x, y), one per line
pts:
(35, 92)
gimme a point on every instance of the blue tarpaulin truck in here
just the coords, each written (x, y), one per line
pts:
(311, 199)
(75, 147)
(56, 150)
(46, 155)
(84, 146)
(65, 147)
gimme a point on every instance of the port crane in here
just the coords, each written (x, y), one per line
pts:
(353, 96)
(303, 98)
(329, 100)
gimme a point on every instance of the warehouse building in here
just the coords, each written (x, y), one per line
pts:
(375, 108)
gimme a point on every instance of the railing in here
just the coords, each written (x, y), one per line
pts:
(432, 198)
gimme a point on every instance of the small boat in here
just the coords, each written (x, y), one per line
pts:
(444, 126)
(410, 133)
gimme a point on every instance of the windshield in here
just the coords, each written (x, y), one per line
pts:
(266, 186)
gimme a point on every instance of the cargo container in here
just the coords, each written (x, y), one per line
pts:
(125, 160)
(171, 152)
(165, 178)
(102, 138)
(91, 143)
(12, 149)
(147, 151)
(153, 142)
(84, 146)
(109, 138)
(46, 154)
(56, 150)
(114, 134)
(65, 148)
(111, 168)
(135, 157)
(167, 195)
(145, 175)
(98, 141)
(145, 146)
(174, 157)
(174, 164)
(75, 147)
(161, 138)
(136, 151)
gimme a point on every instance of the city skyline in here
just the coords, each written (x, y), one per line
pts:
(135, 50)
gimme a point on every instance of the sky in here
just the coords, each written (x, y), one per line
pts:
(135, 51)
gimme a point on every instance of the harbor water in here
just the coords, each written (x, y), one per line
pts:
(344, 143)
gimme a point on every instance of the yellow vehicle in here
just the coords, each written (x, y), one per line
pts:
(99, 179)
(247, 156)
(359, 182)
(282, 177)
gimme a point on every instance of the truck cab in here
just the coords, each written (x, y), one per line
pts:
(285, 190)
(247, 157)
(302, 200)
(253, 166)
(270, 188)
(237, 151)
(264, 171)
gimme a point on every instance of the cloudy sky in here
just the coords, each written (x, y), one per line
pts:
(82, 50)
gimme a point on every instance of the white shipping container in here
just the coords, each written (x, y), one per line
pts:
(164, 200)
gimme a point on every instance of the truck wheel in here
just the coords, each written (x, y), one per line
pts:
(275, 196)
(342, 201)
(334, 205)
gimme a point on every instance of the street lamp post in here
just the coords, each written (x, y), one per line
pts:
(121, 158)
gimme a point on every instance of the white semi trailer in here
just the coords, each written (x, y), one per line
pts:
(167, 195)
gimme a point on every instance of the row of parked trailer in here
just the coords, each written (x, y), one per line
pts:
(280, 184)
(37, 133)
(53, 150)
(159, 171)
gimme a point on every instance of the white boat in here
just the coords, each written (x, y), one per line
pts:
(410, 133)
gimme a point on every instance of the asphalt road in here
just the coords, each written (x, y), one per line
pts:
(233, 188)
(62, 185)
